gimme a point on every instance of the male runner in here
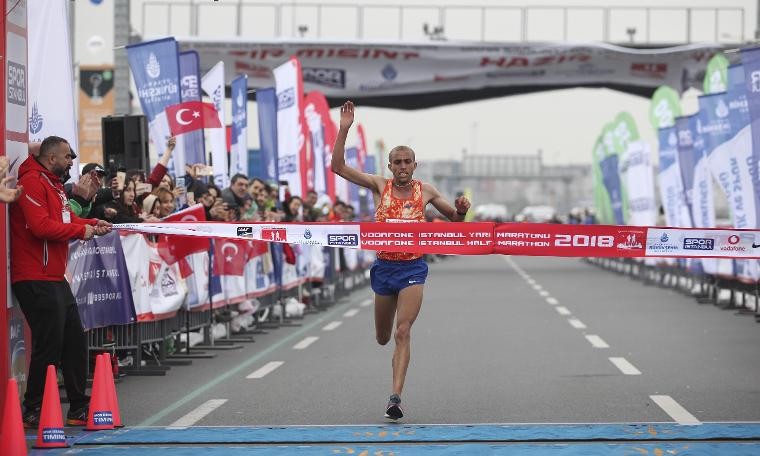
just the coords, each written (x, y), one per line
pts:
(397, 278)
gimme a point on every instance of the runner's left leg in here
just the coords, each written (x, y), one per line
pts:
(408, 307)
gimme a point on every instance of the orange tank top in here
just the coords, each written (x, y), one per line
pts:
(391, 209)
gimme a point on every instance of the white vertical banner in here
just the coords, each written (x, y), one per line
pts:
(51, 76)
(213, 85)
(702, 199)
(637, 164)
(290, 138)
(239, 148)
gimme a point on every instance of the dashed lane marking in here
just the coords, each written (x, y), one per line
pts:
(198, 414)
(575, 323)
(332, 325)
(351, 313)
(562, 310)
(305, 343)
(625, 367)
(265, 369)
(596, 341)
(679, 414)
(552, 301)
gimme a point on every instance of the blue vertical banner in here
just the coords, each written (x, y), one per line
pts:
(239, 149)
(190, 86)
(611, 179)
(685, 131)
(100, 283)
(751, 63)
(155, 69)
(266, 103)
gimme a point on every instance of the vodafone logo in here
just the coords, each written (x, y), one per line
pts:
(733, 239)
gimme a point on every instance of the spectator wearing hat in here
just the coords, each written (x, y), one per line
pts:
(150, 206)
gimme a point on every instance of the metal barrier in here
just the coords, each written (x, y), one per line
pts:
(152, 347)
(742, 296)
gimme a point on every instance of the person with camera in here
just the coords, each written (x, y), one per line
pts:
(42, 225)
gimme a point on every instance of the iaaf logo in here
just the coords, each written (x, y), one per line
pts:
(245, 231)
(274, 234)
(344, 240)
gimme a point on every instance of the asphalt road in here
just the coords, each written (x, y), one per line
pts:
(499, 340)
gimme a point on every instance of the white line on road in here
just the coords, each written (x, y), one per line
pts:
(679, 414)
(305, 343)
(198, 414)
(351, 313)
(625, 367)
(366, 303)
(596, 341)
(265, 369)
(544, 293)
(552, 301)
(332, 325)
(563, 310)
(537, 287)
(575, 323)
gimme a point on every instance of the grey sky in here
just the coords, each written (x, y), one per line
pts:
(564, 124)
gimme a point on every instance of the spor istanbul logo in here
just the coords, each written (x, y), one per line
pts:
(35, 120)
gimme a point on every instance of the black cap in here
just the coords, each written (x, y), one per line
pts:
(93, 166)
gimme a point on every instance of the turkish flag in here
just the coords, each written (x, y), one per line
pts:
(256, 248)
(172, 248)
(190, 116)
(229, 256)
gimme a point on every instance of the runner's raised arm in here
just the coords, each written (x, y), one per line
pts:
(338, 163)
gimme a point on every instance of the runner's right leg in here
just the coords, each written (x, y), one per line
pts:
(385, 312)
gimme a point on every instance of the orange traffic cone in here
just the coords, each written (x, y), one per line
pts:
(50, 433)
(99, 415)
(12, 440)
(112, 391)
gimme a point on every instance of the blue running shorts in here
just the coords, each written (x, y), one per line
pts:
(390, 277)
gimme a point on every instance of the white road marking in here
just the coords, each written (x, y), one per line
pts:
(537, 287)
(366, 303)
(563, 310)
(596, 341)
(332, 325)
(679, 414)
(265, 369)
(544, 293)
(305, 343)
(552, 301)
(625, 367)
(198, 414)
(577, 324)
(351, 313)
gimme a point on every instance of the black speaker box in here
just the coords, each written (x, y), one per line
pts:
(125, 142)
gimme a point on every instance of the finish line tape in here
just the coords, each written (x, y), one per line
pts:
(484, 238)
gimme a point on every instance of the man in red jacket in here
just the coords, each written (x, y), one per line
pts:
(41, 227)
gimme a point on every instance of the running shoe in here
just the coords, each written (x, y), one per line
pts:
(394, 410)
(31, 418)
(77, 417)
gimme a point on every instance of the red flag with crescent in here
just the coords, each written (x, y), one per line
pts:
(175, 248)
(190, 116)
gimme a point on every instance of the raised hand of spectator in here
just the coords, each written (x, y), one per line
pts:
(115, 188)
(109, 212)
(179, 191)
(86, 187)
(9, 195)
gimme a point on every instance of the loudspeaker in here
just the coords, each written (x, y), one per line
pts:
(125, 142)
